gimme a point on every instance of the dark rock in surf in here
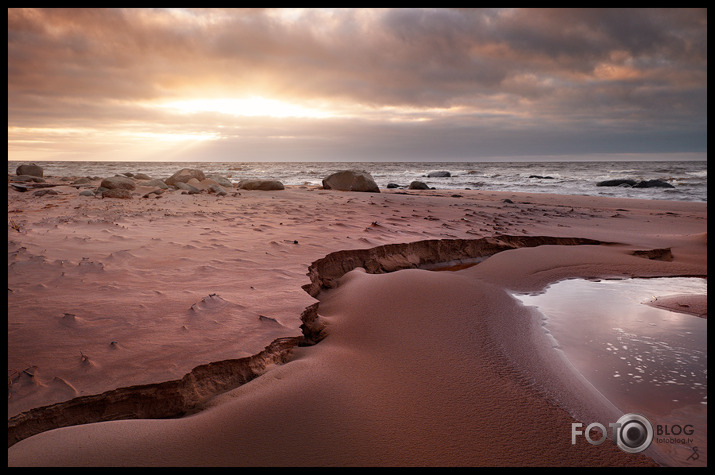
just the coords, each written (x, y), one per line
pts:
(351, 180)
(617, 182)
(653, 184)
(418, 185)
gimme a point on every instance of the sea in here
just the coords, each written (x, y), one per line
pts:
(687, 178)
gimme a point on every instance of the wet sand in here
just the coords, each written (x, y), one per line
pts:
(417, 368)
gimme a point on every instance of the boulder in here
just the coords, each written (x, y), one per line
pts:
(617, 182)
(118, 183)
(653, 184)
(156, 183)
(205, 184)
(121, 193)
(351, 180)
(265, 185)
(156, 192)
(31, 169)
(218, 189)
(418, 185)
(184, 175)
(221, 180)
(439, 174)
(195, 183)
(141, 176)
(186, 187)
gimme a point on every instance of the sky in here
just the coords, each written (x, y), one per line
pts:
(357, 85)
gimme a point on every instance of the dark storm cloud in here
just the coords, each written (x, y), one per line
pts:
(641, 70)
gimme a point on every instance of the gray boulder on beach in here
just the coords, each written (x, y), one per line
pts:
(184, 175)
(351, 180)
(186, 187)
(264, 185)
(31, 169)
(156, 182)
(439, 174)
(221, 180)
(118, 183)
(218, 189)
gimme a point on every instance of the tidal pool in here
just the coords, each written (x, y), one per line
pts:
(643, 359)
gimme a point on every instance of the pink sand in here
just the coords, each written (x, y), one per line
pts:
(419, 368)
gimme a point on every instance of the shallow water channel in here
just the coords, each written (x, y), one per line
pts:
(643, 359)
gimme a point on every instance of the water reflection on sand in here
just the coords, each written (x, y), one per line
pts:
(643, 359)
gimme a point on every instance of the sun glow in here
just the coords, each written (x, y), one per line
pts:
(250, 107)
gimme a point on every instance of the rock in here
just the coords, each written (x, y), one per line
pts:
(186, 187)
(31, 169)
(155, 183)
(393, 185)
(195, 183)
(20, 188)
(351, 180)
(86, 193)
(184, 175)
(221, 180)
(157, 192)
(218, 189)
(205, 184)
(418, 185)
(82, 181)
(265, 185)
(653, 184)
(121, 193)
(26, 178)
(634, 184)
(541, 177)
(141, 176)
(439, 174)
(617, 182)
(44, 192)
(118, 183)
(128, 174)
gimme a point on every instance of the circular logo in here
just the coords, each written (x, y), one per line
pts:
(634, 433)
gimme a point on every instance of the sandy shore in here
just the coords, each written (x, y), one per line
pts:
(417, 368)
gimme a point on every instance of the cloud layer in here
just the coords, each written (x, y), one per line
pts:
(394, 84)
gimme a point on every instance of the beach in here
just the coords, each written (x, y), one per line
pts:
(396, 365)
